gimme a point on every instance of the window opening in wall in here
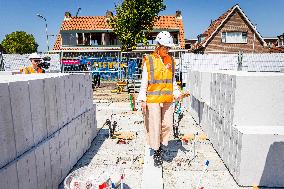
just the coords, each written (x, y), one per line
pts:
(87, 38)
(234, 37)
(80, 40)
(201, 38)
(96, 39)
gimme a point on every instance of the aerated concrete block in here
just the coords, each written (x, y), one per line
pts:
(257, 99)
(43, 165)
(26, 169)
(69, 93)
(194, 108)
(36, 90)
(61, 101)
(79, 136)
(8, 177)
(261, 156)
(21, 113)
(73, 152)
(7, 138)
(205, 87)
(64, 152)
(55, 160)
(76, 91)
(92, 122)
(50, 105)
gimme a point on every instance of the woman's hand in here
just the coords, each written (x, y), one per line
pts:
(183, 95)
(143, 106)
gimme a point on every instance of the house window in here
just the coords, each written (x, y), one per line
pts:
(234, 37)
(68, 39)
(96, 39)
(201, 38)
(87, 38)
(281, 41)
(80, 39)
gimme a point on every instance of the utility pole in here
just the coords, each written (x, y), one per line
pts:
(40, 16)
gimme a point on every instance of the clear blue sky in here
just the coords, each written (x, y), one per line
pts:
(21, 15)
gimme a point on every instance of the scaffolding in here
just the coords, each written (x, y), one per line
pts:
(97, 62)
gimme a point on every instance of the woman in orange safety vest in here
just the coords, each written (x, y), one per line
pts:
(157, 93)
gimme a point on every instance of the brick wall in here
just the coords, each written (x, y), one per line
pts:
(236, 22)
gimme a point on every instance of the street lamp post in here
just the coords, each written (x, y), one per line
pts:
(40, 16)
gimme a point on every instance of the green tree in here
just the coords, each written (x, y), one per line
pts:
(19, 42)
(134, 19)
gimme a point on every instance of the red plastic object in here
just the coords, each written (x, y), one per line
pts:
(103, 186)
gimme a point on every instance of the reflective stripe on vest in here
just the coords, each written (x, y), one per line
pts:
(160, 81)
(153, 80)
(28, 71)
(160, 93)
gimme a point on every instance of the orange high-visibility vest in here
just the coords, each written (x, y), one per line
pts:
(160, 80)
(30, 70)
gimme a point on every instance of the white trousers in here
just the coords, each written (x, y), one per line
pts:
(158, 124)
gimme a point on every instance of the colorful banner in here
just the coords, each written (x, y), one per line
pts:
(70, 62)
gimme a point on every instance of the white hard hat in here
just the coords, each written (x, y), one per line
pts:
(164, 38)
(34, 56)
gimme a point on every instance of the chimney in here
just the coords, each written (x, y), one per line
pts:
(178, 14)
(109, 14)
(67, 16)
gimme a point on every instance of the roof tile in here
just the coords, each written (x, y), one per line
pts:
(100, 23)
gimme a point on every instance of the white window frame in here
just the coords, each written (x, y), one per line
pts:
(281, 41)
(237, 41)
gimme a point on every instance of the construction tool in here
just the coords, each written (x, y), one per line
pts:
(206, 164)
(108, 123)
(111, 127)
(180, 115)
(132, 102)
(178, 111)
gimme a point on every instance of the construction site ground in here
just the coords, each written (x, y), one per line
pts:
(182, 169)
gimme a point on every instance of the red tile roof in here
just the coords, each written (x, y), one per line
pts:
(85, 23)
(277, 49)
(209, 33)
(91, 23)
(214, 25)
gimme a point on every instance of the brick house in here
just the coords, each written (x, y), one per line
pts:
(87, 33)
(279, 45)
(230, 33)
(280, 41)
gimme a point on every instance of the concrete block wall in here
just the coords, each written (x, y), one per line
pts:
(242, 118)
(47, 122)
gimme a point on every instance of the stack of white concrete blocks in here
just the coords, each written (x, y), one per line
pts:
(47, 122)
(243, 116)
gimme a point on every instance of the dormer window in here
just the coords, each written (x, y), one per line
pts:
(234, 37)
(201, 38)
(281, 41)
